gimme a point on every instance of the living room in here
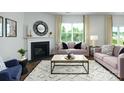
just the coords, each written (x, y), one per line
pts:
(89, 31)
(61, 46)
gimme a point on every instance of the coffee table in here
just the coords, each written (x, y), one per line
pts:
(84, 62)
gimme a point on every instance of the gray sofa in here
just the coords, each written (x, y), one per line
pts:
(114, 63)
(84, 49)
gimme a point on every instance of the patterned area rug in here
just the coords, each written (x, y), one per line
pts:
(96, 73)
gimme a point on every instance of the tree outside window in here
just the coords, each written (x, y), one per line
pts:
(72, 32)
(118, 35)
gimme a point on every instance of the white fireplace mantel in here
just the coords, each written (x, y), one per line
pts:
(29, 40)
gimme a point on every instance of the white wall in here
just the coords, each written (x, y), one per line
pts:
(97, 28)
(10, 45)
(72, 18)
(29, 19)
(118, 20)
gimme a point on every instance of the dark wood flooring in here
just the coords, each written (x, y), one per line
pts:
(31, 65)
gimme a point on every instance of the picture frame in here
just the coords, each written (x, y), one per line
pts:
(10, 28)
(1, 26)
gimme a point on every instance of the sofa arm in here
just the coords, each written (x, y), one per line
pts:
(5, 76)
(85, 47)
(121, 65)
(11, 63)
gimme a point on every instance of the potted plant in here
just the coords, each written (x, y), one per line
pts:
(22, 52)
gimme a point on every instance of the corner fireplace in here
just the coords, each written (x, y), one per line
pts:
(39, 50)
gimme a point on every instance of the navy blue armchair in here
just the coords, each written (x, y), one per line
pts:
(13, 71)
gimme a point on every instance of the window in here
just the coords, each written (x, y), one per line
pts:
(72, 32)
(118, 35)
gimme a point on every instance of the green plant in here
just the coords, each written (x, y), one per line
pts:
(22, 52)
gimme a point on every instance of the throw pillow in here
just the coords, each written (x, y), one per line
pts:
(64, 45)
(2, 65)
(83, 46)
(121, 51)
(107, 49)
(71, 45)
(78, 46)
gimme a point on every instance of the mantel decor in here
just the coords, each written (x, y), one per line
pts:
(1, 26)
(40, 28)
(10, 27)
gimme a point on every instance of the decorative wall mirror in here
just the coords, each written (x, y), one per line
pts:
(11, 28)
(40, 28)
(1, 26)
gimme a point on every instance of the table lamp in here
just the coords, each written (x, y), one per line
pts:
(93, 38)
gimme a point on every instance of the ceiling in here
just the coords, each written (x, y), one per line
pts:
(87, 13)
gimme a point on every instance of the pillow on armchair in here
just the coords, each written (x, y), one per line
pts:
(2, 65)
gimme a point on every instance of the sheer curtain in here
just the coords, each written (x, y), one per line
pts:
(87, 29)
(58, 28)
(108, 29)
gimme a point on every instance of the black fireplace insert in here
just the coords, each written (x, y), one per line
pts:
(39, 50)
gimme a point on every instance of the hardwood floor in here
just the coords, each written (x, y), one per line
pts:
(30, 66)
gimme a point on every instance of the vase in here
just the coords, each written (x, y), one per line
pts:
(23, 57)
(69, 55)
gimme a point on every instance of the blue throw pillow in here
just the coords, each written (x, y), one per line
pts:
(64, 45)
(78, 46)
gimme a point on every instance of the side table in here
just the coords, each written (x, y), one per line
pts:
(23, 62)
(93, 50)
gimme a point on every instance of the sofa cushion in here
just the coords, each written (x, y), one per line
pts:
(112, 61)
(78, 46)
(62, 51)
(71, 44)
(64, 45)
(107, 49)
(100, 55)
(2, 65)
(117, 50)
(77, 51)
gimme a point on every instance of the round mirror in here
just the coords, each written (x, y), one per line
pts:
(40, 28)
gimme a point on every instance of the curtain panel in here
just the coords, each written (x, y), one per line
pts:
(87, 29)
(108, 29)
(58, 28)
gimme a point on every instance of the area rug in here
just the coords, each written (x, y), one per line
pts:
(96, 73)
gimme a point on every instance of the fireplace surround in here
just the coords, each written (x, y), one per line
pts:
(39, 50)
